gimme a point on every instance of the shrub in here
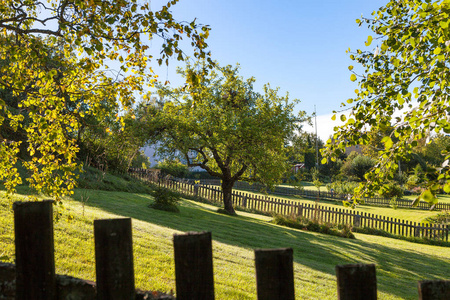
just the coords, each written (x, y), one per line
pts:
(440, 218)
(343, 188)
(391, 190)
(165, 199)
(303, 223)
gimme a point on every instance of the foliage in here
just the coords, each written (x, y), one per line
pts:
(305, 224)
(118, 148)
(141, 161)
(165, 199)
(407, 71)
(390, 190)
(219, 123)
(54, 59)
(302, 148)
(173, 167)
(316, 179)
(434, 152)
(440, 218)
(356, 166)
(342, 188)
(94, 179)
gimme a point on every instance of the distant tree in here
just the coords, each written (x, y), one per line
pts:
(173, 167)
(219, 123)
(434, 152)
(357, 165)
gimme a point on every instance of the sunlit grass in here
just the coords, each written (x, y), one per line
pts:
(399, 263)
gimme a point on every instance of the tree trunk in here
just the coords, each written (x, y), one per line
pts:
(227, 189)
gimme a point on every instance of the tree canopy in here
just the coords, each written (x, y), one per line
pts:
(219, 123)
(55, 69)
(403, 82)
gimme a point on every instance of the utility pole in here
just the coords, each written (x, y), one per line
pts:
(317, 150)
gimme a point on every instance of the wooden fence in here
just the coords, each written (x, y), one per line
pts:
(329, 196)
(325, 214)
(194, 276)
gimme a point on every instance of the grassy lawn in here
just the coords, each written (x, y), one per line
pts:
(442, 198)
(399, 264)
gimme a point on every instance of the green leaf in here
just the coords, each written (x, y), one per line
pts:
(429, 197)
(324, 161)
(369, 40)
(333, 117)
(416, 202)
(447, 187)
(350, 68)
(343, 118)
(437, 50)
(388, 143)
(353, 77)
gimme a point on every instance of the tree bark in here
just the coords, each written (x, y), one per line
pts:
(227, 189)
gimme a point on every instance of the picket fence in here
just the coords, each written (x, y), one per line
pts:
(329, 196)
(325, 214)
(194, 276)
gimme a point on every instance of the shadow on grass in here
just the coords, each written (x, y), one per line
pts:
(397, 269)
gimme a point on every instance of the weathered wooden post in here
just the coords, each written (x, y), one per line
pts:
(357, 220)
(194, 266)
(244, 201)
(114, 259)
(417, 231)
(35, 260)
(275, 274)
(356, 282)
(434, 289)
(196, 189)
(299, 210)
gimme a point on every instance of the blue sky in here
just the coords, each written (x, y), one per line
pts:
(299, 46)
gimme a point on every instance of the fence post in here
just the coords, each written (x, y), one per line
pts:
(244, 201)
(35, 260)
(196, 190)
(274, 274)
(356, 281)
(357, 220)
(434, 289)
(114, 259)
(194, 266)
(417, 231)
(299, 210)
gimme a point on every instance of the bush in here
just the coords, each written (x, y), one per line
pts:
(315, 226)
(343, 188)
(165, 199)
(391, 190)
(440, 218)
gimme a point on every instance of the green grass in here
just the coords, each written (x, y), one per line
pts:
(399, 264)
(442, 198)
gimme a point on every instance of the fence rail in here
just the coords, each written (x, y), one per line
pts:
(36, 279)
(287, 191)
(291, 207)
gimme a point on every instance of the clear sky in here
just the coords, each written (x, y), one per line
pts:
(299, 46)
